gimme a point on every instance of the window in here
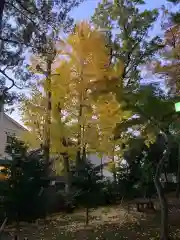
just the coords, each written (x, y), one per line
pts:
(9, 137)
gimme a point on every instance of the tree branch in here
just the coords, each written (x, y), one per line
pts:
(38, 68)
(24, 15)
(14, 42)
(8, 40)
(130, 54)
(13, 84)
(173, 42)
(27, 10)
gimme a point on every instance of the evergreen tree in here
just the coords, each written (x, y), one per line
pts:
(87, 184)
(27, 178)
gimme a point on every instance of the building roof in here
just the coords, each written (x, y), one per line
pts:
(14, 122)
(5, 162)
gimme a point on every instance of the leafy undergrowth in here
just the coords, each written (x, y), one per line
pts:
(105, 224)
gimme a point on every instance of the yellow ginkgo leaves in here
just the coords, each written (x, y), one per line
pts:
(82, 60)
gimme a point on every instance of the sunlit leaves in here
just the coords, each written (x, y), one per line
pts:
(33, 116)
(86, 61)
(78, 118)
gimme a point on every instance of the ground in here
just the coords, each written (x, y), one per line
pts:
(107, 223)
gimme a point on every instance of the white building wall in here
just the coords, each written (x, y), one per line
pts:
(96, 160)
(8, 126)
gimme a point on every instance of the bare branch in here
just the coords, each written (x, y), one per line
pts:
(13, 84)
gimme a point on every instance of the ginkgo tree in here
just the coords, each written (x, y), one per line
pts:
(80, 123)
(85, 64)
(108, 113)
(33, 108)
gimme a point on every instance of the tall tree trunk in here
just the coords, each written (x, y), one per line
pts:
(67, 174)
(47, 140)
(165, 174)
(84, 158)
(87, 215)
(2, 4)
(16, 237)
(67, 171)
(164, 210)
(162, 198)
(3, 226)
(178, 174)
(101, 167)
(78, 155)
(114, 167)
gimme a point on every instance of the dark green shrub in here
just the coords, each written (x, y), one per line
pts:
(25, 198)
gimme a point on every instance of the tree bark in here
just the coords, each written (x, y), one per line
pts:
(178, 174)
(16, 237)
(114, 167)
(47, 140)
(2, 4)
(67, 174)
(87, 215)
(80, 135)
(3, 226)
(84, 158)
(67, 170)
(78, 155)
(164, 210)
(165, 174)
(161, 195)
(102, 167)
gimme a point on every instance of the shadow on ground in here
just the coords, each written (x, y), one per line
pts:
(105, 224)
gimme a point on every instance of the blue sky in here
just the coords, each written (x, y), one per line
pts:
(86, 10)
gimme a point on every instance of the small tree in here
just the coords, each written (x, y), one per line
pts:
(27, 175)
(87, 184)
